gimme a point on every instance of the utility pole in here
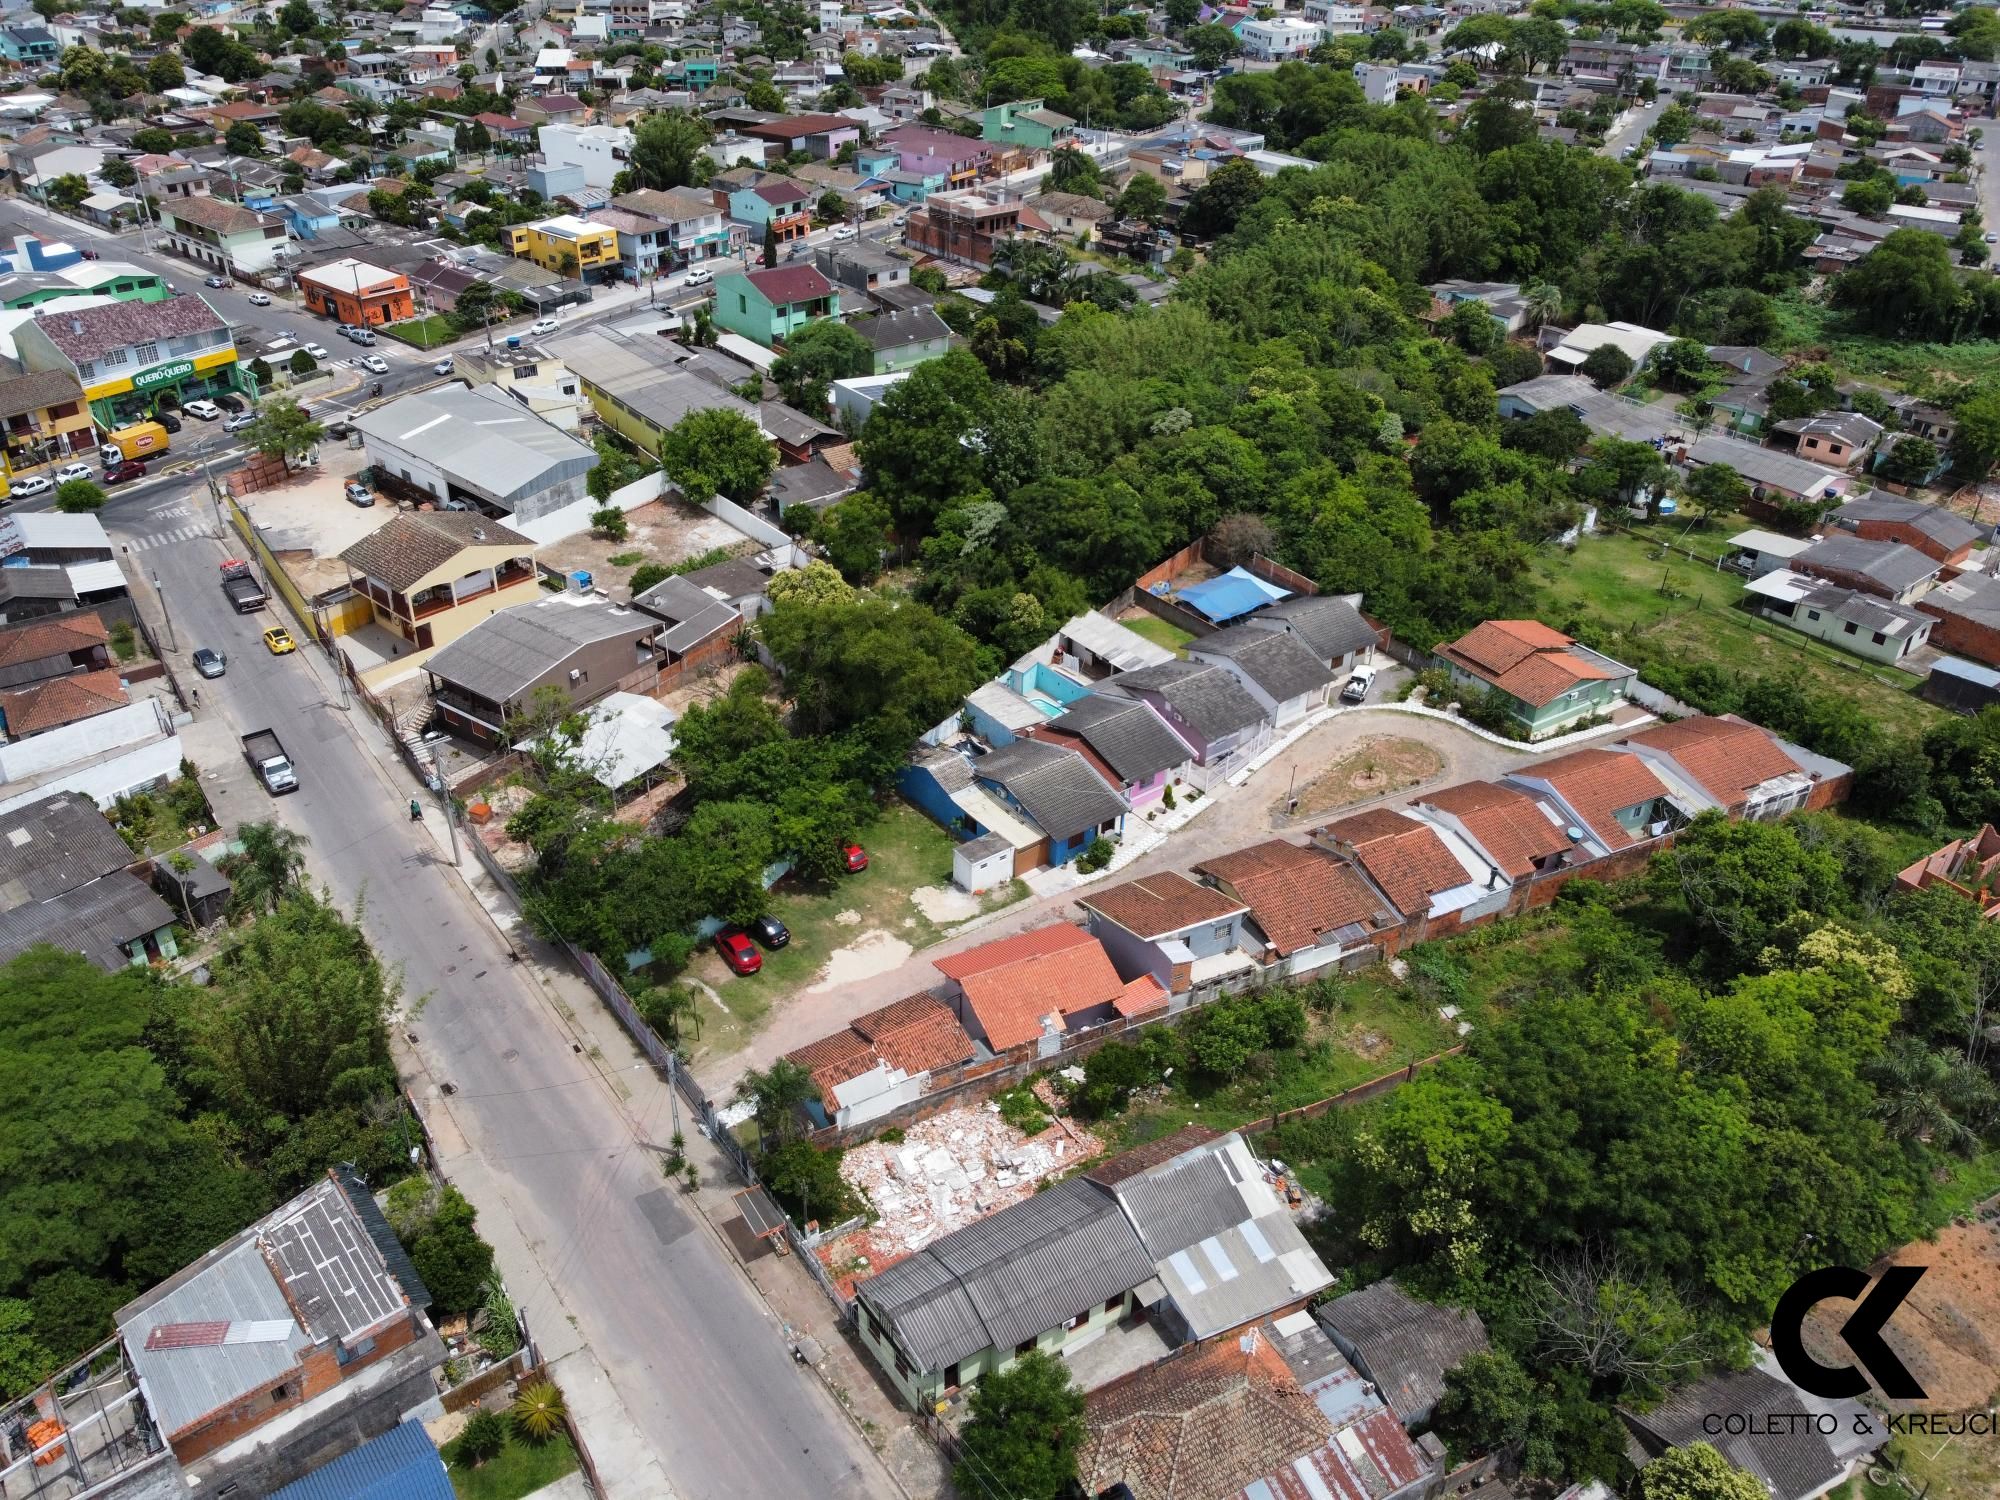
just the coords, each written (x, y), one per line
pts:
(444, 802)
(173, 644)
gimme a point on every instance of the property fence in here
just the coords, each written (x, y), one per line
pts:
(488, 1380)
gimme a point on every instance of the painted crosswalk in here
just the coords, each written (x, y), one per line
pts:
(166, 538)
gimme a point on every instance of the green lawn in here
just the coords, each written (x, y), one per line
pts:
(520, 1469)
(1809, 327)
(906, 851)
(1688, 609)
(424, 333)
(1159, 632)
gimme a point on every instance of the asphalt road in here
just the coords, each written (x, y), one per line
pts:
(692, 1351)
(1642, 121)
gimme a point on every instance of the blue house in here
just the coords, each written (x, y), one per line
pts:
(29, 47)
(1057, 791)
(306, 215)
(1019, 699)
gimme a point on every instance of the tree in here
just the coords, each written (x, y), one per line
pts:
(66, 192)
(770, 252)
(1486, 1405)
(1975, 447)
(1607, 365)
(1542, 301)
(297, 17)
(1023, 1432)
(1682, 364)
(480, 1441)
(1211, 45)
(1910, 460)
(119, 173)
(717, 452)
(1904, 287)
(1740, 882)
(538, 1411)
(283, 429)
(1592, 1312)
(79, 495)
(1239, 537)
(264, 871)
(1931, 1095)
(1695, 1471)
(1144, 199)
(778, 1096)
(610, 523)
(244, 139)
(1070, 171)
(888, 669)
(1716, 490)
(153, 141)
(816, 583)
(852, 533)
(454, 1262)
(302, 363)
(1871, 197)
(1229, 193)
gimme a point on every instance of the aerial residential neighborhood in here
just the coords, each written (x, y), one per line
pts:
(999, 751)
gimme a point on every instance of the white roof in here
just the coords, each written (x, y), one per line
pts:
(991, 813)
(1770, 543)
(51, 528)
(746, 350)
(1784, 585)
(628, 735)
(1634, 341)
(106, 202)
(349, 275)
(88, 578)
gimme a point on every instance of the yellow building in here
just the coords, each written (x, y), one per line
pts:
(46, 421)
(569, 246)
(428, 577)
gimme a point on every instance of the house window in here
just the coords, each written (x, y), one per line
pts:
(742, 303)
(1850, 627)
(1112, 1305)
(902, 1365)
(281, 1393)
(1026, 1346)
(1880, 639)
(1812, 614)
(148, 353)
(1078, 1321)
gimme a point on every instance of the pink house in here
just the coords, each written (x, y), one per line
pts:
(1128, 744)
(919, 148)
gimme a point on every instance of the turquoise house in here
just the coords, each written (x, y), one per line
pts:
(768, 306)
(1026, 123)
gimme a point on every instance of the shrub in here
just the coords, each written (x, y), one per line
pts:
(1168, 798)
(538, 1411)
(1022, 1108)
(303, 363)
(610, 523)
(1098, 855)
(483, 1438)
(123, 645)
(74, 496)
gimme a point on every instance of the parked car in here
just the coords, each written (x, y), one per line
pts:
(699, 276)
(738, 951)
(229, 402)
(208, 411)
(340, 430)
(210, 662)
(88, 254)
(360, 494)
(74, 471)
(1357, 685)
(359, 335)
(374, 364)
(240, 421)
(855, 856)
(215, 281)
(34, 484)
(260, 299)
(278, 641)
(169, 421)
(770, 932)
(542, 327)
(443, 366)
(315, 350)
(119, 473)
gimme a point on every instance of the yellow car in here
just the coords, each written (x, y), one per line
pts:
(278, 641)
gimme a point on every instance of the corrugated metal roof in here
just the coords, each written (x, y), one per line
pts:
(92, 920)
(481, 438)
(1181, 1203)
(1055, 786)
(401, 1464)
(509, 649)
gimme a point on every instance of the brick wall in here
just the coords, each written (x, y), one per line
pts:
(1962, 637)
(711, 655)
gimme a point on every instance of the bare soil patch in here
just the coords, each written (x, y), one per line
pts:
(1373, 768)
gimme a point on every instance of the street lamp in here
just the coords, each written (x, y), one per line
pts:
(173, 643)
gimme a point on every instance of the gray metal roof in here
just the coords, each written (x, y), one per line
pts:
(1328, 624)
(1970, 596)
(1276, 660)
(332, 1273)
(1787, 1454)
(1892, 564)
(505, 652)
(1010, 1277)
(481, 438)
(92, 920)
(1947, 528)
(692, 615)
(647, 377)
(1183, 1202)
(1208, 696)
(1867, 611)
(1406, 1346)
(1058, 788)
(56, 845)
(1133, 740)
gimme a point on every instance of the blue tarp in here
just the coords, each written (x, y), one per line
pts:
(401, 1464)
(1231, 596)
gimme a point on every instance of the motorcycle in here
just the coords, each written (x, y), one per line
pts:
(375, 389)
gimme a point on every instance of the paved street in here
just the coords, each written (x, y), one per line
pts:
(561, 1157)
(1643, 116)
(1240, 816)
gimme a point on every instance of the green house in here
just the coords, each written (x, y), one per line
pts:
(90, 278)
(1549, 682)
(1026, 123)
(769, 306)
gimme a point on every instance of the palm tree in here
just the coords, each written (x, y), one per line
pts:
(1543, 301)
(268, 867)
(1934, 1096)
(538, 1411)
(778, 1094)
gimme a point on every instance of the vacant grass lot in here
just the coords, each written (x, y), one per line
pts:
(1159, 632)
(1812, 328)
(425, 333)
(1689, 610)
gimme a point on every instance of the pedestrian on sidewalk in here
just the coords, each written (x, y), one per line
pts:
(416, 811)
(195, 693)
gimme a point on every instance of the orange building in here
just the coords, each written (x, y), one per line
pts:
(352, 291)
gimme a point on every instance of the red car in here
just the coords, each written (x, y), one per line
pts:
(119, 473)
(856, 857)
(738, 951)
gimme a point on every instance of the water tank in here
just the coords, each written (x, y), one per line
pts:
(580, 581)
(513, 341)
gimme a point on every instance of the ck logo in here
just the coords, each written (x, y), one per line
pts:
(1862, 1332)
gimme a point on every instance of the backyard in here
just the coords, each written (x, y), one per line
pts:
(519, 1469)
(154, 822)
(1159, 632)
(861, 925)
(1688, 610)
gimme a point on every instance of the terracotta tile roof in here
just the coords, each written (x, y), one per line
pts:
(1140, 997)
(37, 390)
(1524, 659)
(407, 547)
(1507, 823)
(1727, 756)
(61, 700)
(91, 331)
(1207, 1425)
(216, 214)
(1062, 971)
(916, 1034)
(39, 639)
(783, 284)
(1295, 894)
(1403, 856)
(1159, 904)
(1153, 1154)
(1599, 783)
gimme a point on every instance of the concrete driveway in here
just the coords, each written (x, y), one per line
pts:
(1238, 816)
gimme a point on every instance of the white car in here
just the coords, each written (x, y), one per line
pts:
(1358, 685)
(34, 484)
(74, 471)
(260, 299)
(208, 411)
(374, 364)
(843, 231)
(443, 366)
(699, 276)
(315, 350)
(542, 327)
